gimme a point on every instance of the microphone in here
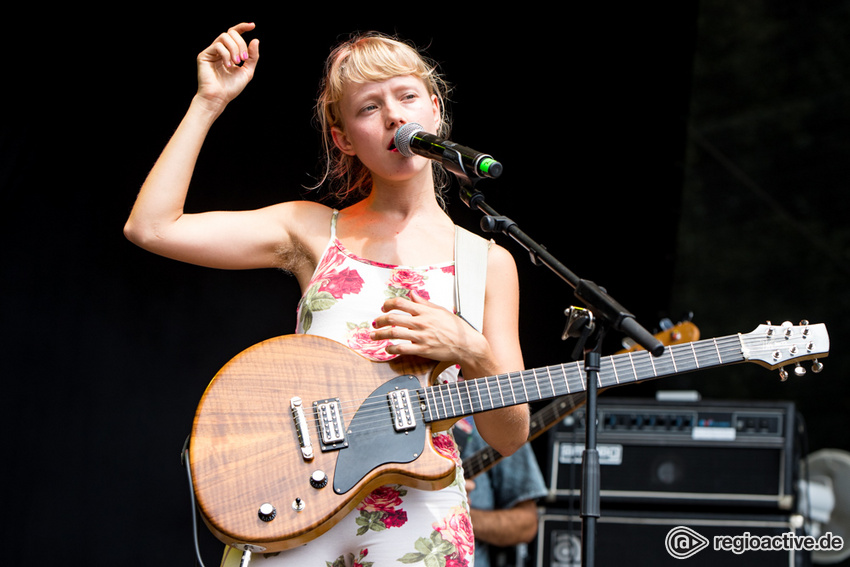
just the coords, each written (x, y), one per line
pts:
(411, 139)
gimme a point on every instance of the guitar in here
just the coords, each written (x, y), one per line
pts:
(545, 418)
(294, 431)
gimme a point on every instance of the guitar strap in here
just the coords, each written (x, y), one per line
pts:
(470, 276)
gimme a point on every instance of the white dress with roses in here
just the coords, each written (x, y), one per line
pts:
(394, 525)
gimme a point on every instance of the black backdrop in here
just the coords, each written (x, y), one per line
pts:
(599, 115)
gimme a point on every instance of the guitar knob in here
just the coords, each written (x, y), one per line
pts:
(318, 479)
(267, 512)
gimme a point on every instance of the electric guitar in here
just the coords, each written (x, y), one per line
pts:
(546, 417)
(295, 431)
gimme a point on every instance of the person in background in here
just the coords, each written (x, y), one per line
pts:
(502, 500)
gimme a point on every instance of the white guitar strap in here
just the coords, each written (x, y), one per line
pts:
(470, 276)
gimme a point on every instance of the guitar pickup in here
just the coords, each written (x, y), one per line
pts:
(402, 412)
(330, 425)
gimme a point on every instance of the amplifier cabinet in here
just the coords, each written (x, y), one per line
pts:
(710, 452)
(641, 538)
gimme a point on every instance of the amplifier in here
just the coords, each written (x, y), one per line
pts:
(707, 452)
(646, 538)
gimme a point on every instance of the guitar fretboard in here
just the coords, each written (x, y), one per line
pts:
(448, 401)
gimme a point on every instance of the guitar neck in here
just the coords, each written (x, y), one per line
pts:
(450, 401)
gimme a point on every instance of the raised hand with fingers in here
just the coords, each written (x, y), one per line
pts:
(227, 65)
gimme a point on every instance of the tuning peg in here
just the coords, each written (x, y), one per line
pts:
(817, 366)
(799, 370)
(783, 374)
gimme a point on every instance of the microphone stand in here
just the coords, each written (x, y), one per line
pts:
(590, 326)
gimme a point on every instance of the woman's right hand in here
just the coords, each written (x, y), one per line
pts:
(227, 65)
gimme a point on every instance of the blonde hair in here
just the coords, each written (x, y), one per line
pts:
(369, 57)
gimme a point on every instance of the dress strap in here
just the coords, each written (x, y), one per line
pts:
(334, 217)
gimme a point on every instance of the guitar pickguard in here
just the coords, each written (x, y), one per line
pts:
(372, 438)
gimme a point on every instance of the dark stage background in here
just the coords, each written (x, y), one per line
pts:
(688, 158)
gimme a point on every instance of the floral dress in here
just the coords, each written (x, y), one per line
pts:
(394, 525)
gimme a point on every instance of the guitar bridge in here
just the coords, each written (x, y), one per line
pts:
(402, 411)
(301, 428)
(330, 425)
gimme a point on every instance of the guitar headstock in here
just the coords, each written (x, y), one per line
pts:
(775, 346)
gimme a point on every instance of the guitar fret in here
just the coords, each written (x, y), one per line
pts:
(696, 360)
(685, 363)
(429, 399)
(673, 360)
(458, 393)
(581, 377)
(717, 349)
(511, 386)
(537, 384)
(614, 366)
(566, 378)
(426, 409)
(524, 389)
(443, 401)
(454, 393)
(471, 399)
(632, 362)
(453, 398)
(489, 394)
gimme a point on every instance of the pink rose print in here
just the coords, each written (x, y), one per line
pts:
(330, 262)
(450, 544)
(380, 510)
(403, 281)
(395, 518)
(340, 283)
(326, 288)
(444, 443)
(381, 499)
(358, 340)
(457, 528)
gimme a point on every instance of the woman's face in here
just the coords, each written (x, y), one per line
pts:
(373, 112)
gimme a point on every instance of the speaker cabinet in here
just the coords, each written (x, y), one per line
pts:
(708, 453)
(640, 538)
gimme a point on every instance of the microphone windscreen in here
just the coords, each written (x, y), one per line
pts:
(403, 136)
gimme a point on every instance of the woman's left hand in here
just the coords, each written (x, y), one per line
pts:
(430, 331)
